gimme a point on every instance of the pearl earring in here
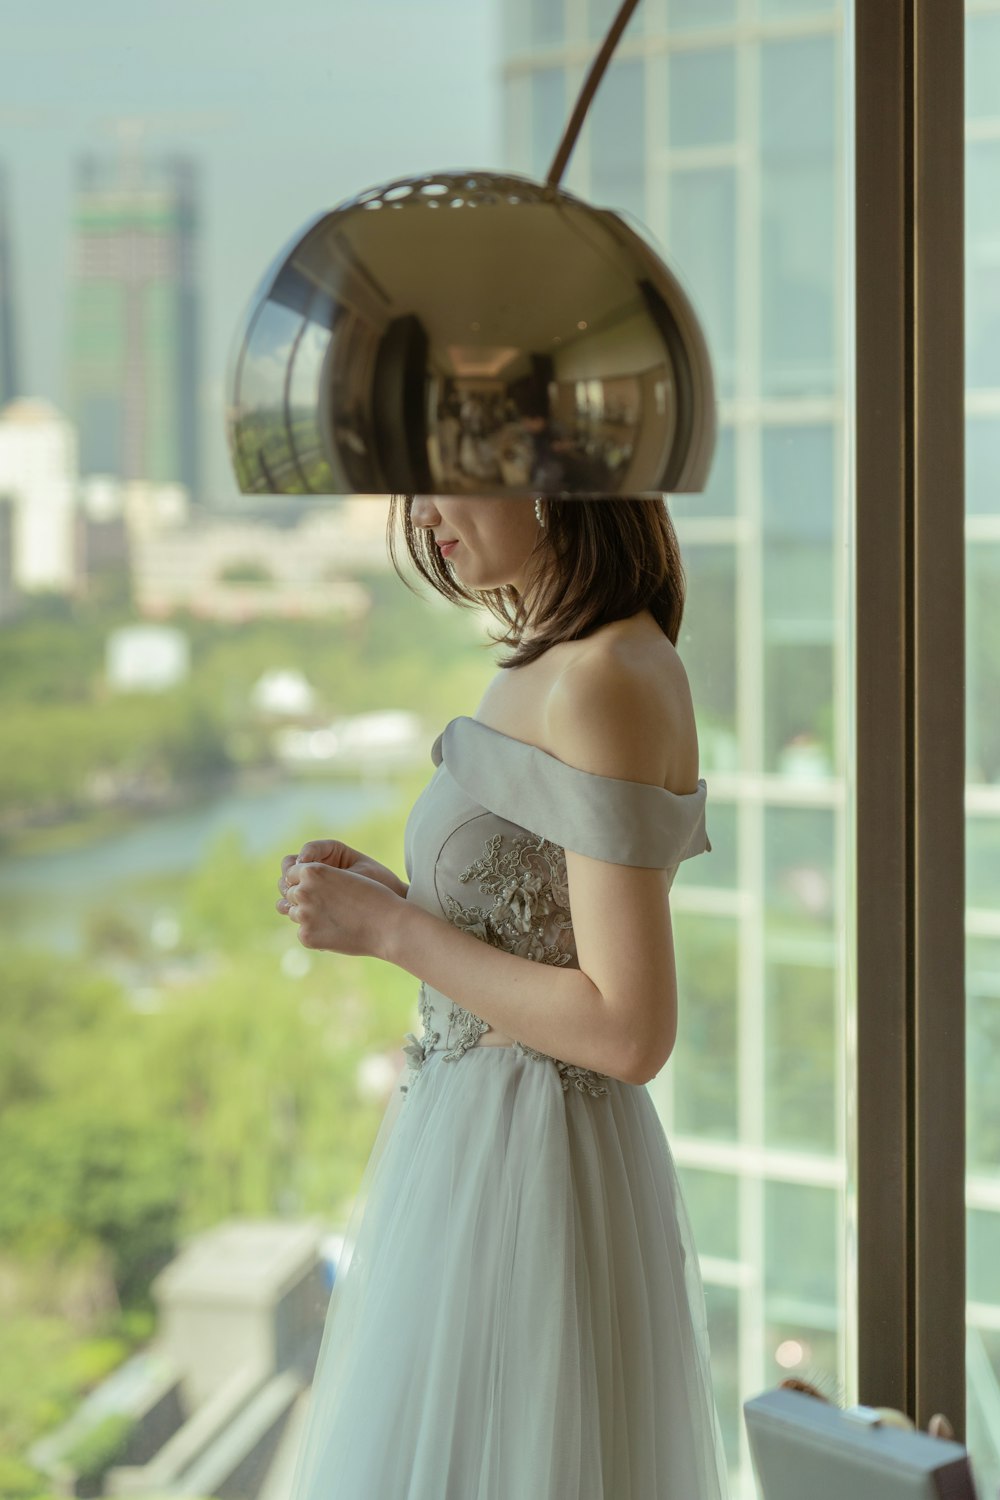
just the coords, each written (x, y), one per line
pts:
(539, 517)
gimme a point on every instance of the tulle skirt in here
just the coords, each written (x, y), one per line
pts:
(522, 1315)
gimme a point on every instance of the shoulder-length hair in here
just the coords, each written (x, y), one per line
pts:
(595, 561)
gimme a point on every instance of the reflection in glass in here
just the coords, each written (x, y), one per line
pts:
(548, 20)
(719, 495)
(984, 1257)
(798, 872)
(617, 138)
(714, 1200)
(683, 15)
(982, 685)
(781, 10)
(798, 216)
(982, 465)
(800, 1228)
(982, 65)
(549, 106)
(983, 1049)
(708, 645)
(722, 1304)
(799, 734)
(800, 1038)
(701, 96)
(705, 1056)
(703, 241)
(982, 262)
(797, 496)
(982, 739)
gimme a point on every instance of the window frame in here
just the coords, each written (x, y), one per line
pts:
(909, 1131)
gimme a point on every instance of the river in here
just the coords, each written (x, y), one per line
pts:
(47, 897)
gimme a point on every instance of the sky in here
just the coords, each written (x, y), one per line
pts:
(288, 109)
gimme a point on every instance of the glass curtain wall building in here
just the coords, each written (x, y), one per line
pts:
(134, 319)
(725, 128)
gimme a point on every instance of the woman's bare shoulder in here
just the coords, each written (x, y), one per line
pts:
(621, 705)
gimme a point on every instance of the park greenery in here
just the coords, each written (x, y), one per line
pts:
(62, 728)
(126, 1128)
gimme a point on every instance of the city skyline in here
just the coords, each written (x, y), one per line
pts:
(75, 86)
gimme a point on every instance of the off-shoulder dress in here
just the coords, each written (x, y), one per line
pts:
(522, 1315)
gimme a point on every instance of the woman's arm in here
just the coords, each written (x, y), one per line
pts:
(557, 1011)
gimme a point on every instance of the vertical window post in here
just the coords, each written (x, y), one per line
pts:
(910, 747)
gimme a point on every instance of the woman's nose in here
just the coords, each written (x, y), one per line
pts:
(423, 511)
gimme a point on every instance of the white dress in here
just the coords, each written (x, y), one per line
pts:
(522, 1315)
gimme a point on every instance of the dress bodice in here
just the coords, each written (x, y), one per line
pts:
(484, 846)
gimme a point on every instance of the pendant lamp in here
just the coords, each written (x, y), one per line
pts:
(472, 333)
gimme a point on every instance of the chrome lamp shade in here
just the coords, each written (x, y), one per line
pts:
(470, 333)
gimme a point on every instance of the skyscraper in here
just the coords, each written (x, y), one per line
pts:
(133, 359)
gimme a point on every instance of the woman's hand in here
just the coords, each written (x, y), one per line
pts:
(339, 856)
(338, 909)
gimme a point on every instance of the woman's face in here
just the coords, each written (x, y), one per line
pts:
(493, 538)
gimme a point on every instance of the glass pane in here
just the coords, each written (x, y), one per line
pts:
(701, 96)
(702, 239)
(692, 15)
(708, 646)
(982, 66)
(548, 117)
(982, 263)
(787, 10)
(714, 1200)
(745, 172)
(982, 834)
(800, 1037)
(617, 139)
(982, 635)
(984, 1256)
(797, 265)
(800, 1231)
(797, 96)
(704, 1059)
(982, 693)
(982, 465)
(983, 1052)
(548, 21)
(722, 1303)
(799, 208)
(718, 498)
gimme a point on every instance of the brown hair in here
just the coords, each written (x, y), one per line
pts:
(598, 560)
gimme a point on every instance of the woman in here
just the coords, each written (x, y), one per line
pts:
(522, 1316)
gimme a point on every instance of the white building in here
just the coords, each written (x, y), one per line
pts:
(283, 690)
(39, 472)
(242, 566)
(146, 658)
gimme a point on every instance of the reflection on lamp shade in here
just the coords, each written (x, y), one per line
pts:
(470, 334)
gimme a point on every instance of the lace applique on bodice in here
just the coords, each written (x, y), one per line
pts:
(528, 917)
(527, 881)
(459, 833)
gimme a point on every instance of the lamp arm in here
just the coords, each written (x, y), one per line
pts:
(594, 77)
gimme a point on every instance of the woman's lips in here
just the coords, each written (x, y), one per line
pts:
(446, 547)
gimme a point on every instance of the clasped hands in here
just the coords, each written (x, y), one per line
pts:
(341, 900)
